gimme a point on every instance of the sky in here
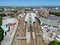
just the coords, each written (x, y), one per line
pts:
(29, 2)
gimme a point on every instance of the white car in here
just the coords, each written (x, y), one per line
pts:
(58, 38)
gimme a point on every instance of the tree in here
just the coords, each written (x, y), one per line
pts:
(55, 13)
(1, 35)
(0, 20)
(2, 15)
(1, 30)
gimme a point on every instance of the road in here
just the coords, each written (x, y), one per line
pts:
(28, 34)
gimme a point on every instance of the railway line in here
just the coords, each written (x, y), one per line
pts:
(20, 33)
(28, 34)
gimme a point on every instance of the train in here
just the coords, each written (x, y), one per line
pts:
(32, 16)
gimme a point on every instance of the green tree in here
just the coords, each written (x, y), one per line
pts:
(1, 34)
(1, 30)
(0, 20)
(55, 13)
(55, 43)
(2, 15)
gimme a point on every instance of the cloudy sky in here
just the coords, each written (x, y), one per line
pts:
(29, 2)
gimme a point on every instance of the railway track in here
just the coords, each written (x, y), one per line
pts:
(33, 29)
(38, 32)
(23, 33)
(20, 33)
(32, 40)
